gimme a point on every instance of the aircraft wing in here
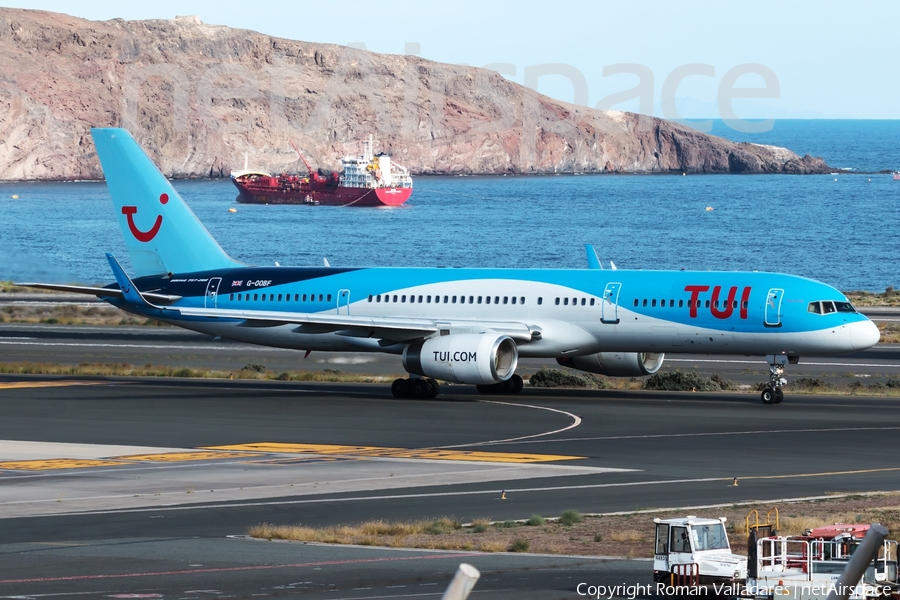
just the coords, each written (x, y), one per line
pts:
(398, 329)
(100, 292)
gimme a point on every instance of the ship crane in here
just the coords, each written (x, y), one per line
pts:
(308, 168)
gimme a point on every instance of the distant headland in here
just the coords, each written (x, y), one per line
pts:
(200, 97)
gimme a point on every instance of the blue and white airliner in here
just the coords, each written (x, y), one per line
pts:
(458, 325)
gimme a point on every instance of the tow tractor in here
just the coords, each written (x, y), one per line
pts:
(694, 552)
(805, 566)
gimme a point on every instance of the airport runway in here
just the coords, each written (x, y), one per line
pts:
(170, 346)
(133, 486)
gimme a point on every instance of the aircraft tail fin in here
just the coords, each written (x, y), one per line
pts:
(162, 234)
(592, 259)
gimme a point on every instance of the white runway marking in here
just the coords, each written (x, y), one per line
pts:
(576, 421)
(709, 434)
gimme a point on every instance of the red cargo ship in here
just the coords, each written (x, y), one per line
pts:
(366, 180)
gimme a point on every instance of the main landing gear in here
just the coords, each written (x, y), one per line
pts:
(772, 393)
(416, 387)
(513, 385)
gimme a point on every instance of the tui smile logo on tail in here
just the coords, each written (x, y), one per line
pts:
(144, 236)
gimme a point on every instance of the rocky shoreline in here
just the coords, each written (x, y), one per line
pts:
(199, 97)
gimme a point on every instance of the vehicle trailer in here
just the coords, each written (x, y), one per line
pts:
(805, 567)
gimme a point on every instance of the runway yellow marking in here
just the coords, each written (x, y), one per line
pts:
(184, 456)
(14, 385)
(380, 452)
(57, 463)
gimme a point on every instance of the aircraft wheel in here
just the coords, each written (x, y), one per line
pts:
(768, 396)
(516, 384)
(420, 388)
(779, 395)
(486, 388)
(435, 388)
(400, 388)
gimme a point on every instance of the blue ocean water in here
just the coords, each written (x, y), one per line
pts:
(841, 229)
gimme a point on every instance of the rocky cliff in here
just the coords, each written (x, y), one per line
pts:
(200, 97)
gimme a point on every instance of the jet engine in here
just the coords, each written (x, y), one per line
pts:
(616, 364)
(464, 358)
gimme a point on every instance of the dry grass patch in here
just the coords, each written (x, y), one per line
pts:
(149, 370)
(619, 535)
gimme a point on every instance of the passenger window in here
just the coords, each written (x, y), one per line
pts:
(304, 297)
(744, 304)
(583, 301)
(513, 299)
(540, 300)
(496, 299)
(653, 302)
(429, 299)
(454, 299)
(644, 303)
(254, 297)
(566, 301)
(271, 297)
(574, 301)
(412, 299)
(557, 301)
(635, 301)
(681, 304)
(370, 297)
(734, 304)
(395, 297)
(592, 301)
(296, 297)
(707, 304)
(522, 300)
(671, 303)
(487, 300)
(262, 298)
(471, 299)
(377, 298)
(231, 296)
(328, 298)
(420, 299)
(505, 299)
(403, 298)
(446, 298)
(279, 297)
(480, 298)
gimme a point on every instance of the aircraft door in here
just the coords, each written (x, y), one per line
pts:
(609, 305)
(773, 308)
(343, 302)
(212, 292)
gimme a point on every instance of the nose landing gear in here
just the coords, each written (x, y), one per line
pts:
(773, 394)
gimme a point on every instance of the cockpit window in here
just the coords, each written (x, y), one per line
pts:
(826, 307)
(844, 307)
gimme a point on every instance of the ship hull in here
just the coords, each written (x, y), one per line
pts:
(325, 196)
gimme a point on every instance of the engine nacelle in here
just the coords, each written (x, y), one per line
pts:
(616, 364)
(479, 358)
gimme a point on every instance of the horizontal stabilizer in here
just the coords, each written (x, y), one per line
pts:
(100, 292)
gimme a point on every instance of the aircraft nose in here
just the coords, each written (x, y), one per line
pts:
(864, 334)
